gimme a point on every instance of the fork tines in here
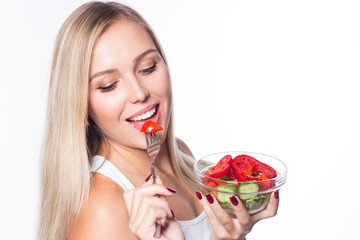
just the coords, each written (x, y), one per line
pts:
(152, 141)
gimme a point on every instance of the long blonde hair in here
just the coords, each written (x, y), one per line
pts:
(71, 137)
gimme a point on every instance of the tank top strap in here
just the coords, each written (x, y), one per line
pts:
(100, 165)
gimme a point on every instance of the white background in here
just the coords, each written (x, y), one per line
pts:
(277, 77)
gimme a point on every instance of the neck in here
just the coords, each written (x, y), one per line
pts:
(134, 160)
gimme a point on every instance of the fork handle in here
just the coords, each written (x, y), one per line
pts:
(157, 233)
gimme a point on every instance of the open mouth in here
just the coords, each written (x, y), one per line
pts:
(144, 116)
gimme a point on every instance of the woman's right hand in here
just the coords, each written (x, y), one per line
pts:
(225, 227)
(147, 206)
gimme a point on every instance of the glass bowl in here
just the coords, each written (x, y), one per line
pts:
(254, 194)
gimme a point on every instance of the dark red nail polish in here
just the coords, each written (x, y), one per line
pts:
(234, 201)
(148, 178)
(210, 198)
(198, 195)
(171, 190)
(276, 195)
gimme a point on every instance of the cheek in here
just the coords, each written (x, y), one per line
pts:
(164, 92)
(104, 109)
(164, 85)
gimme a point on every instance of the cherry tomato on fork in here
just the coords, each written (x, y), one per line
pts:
(151, 127)
(221, 168)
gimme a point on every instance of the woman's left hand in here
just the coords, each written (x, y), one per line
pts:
(225, 227)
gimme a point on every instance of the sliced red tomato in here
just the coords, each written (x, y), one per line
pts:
(221, 168)
(265, 169)
(151, 127)
(239, 170)
(247, 168)
(231, 174)
(243, 168)
(210, 183)
(254, 167)
(266, 185)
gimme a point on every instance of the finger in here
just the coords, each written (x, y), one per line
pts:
(219, 219)
(153, 208)
(133, 197)
(155, 202)
(149, 196)
(241, 213)
(128, 196)
(149, 180)
(148, 190)
(225, 220)
(269, 211)
(147, 222)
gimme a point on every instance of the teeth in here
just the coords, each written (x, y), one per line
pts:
(143, 116)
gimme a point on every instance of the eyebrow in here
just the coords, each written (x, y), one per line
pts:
(141, 56)
(112, 70)
(108, 71)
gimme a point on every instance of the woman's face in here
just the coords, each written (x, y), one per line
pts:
(129, 84)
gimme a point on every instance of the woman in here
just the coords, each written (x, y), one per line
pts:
(109, 75)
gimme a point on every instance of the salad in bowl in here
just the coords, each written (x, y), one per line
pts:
(252, 177)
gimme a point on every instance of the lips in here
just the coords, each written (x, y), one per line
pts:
(144, 114)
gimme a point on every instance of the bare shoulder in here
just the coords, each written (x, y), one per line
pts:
(183, 147)
(104, 215)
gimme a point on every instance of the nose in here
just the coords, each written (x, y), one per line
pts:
(137, 92)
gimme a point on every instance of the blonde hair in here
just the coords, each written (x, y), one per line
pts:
(71, 137)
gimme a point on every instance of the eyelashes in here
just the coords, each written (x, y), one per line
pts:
(108, 88)
(149, 70)
(114, 85)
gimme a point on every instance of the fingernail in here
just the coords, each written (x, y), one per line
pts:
(210, 198)
(198, 195)
(234, 201)
(148, 178)
(276, 195)
(171, 190)
(172, 212)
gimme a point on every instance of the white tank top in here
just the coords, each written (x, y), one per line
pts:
(194, 229)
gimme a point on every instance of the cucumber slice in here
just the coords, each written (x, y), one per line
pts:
(255, 203)
(224, 192)
(248, 190)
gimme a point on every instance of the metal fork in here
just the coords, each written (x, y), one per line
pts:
(153, 146)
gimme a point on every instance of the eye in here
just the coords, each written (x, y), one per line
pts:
(149, 70)
(108, 88)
